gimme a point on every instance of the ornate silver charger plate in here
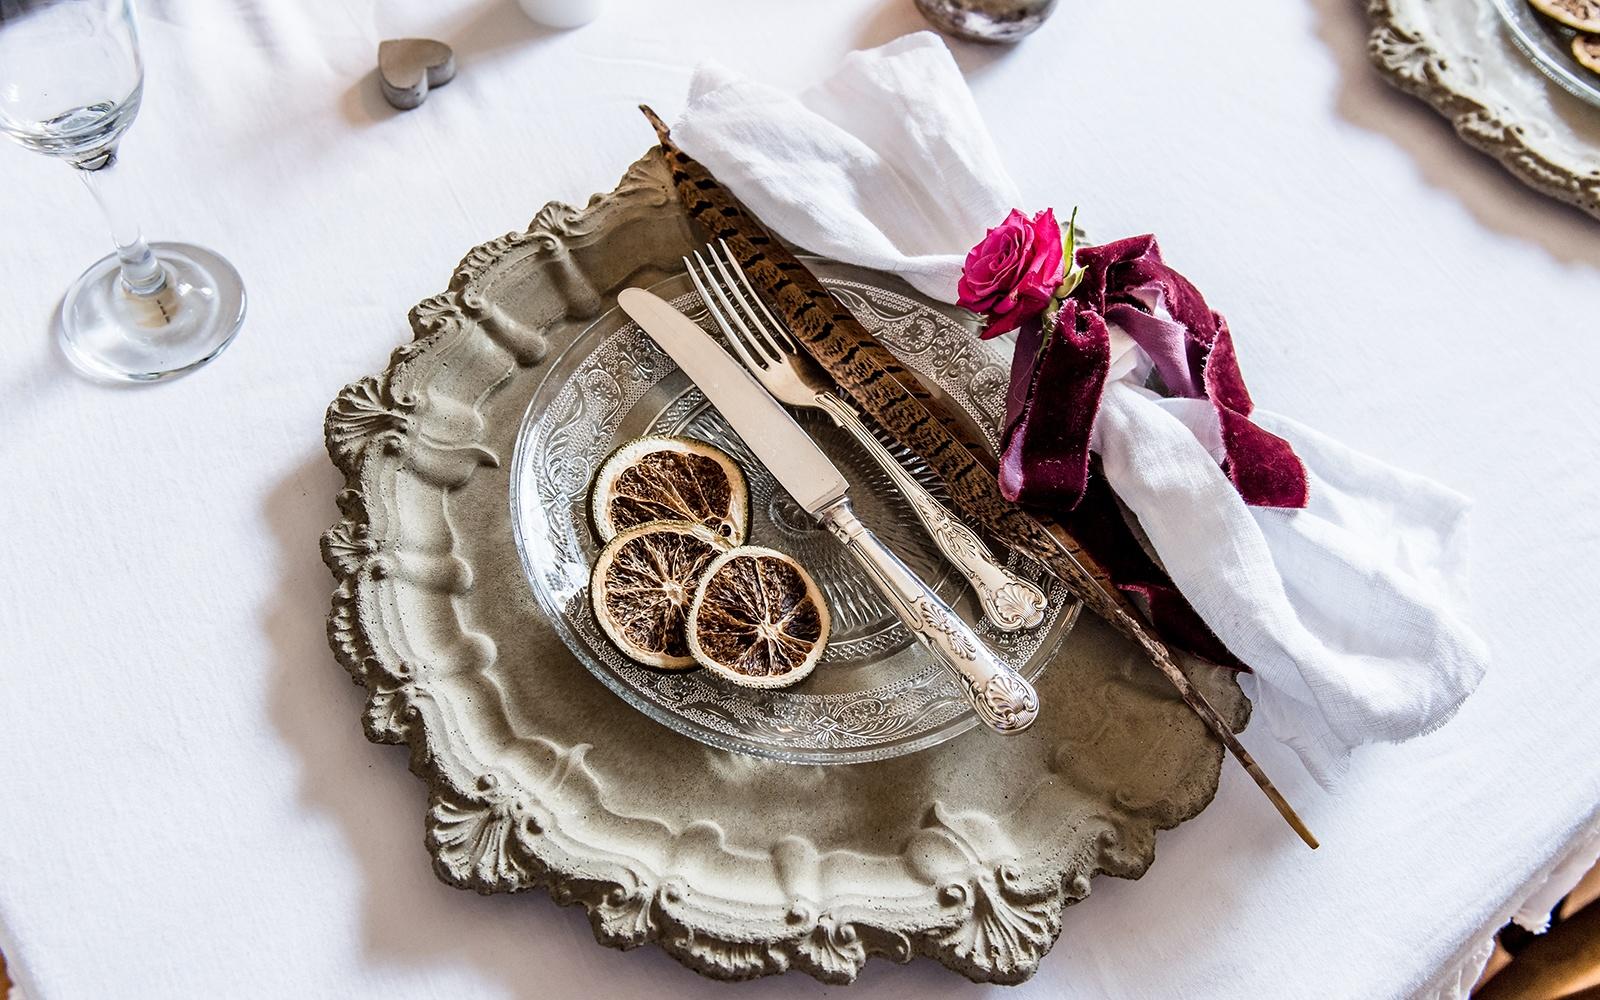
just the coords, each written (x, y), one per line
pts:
(1467, 60)
(540, 777)
(876, 694)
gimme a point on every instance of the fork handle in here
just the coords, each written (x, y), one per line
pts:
(1003, 698)
(1009, 601)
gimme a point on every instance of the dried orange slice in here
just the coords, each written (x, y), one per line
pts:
(670, 479)
(1581, 14)
(643, 585)
(758, 619)
(1586, 49)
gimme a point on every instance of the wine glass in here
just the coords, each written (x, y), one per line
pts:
(71, 78)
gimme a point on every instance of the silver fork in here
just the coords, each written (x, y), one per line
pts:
(770, 352)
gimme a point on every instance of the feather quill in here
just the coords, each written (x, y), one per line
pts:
(894, 397)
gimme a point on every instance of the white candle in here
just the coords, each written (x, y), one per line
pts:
(561, 13)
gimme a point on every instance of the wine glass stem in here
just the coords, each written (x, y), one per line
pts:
(141, 272)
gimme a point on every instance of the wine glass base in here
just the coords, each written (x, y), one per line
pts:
(110, 333)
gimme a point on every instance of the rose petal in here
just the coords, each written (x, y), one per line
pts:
(1016, 262)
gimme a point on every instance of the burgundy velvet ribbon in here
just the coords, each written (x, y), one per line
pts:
(1057, 377)
(1056, 381)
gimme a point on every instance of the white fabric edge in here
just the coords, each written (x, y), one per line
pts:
(1534, 913)
(1553, 881)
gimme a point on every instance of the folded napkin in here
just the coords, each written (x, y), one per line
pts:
(1349, 611)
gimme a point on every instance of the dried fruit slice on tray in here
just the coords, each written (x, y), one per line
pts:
(758, 619)
(1581, 14)
(670, 479)
(1586, 49)
(643, 586)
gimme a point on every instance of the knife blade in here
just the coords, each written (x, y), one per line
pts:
(1002, 698)
(766, 427)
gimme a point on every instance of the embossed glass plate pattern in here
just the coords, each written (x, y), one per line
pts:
(876, 694)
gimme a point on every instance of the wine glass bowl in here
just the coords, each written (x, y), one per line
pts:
(71, 84)
(73, 77)
(86, 134)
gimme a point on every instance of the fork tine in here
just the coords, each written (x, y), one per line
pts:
(785, 338)
(719, 313)
(731, 299)
(755, 345)
(768, 339)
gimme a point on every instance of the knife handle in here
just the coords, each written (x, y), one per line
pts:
(1003, 698)
(1009, 601)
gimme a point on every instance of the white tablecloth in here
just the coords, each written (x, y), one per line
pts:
(187, 805)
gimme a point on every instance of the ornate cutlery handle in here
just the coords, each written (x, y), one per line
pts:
(1008, 600)
(1003, 698)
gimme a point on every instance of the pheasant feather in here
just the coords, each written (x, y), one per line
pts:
(903, 407)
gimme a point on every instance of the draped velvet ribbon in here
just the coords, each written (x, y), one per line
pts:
(1057, 376)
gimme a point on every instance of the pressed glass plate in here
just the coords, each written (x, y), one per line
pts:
(876, 694)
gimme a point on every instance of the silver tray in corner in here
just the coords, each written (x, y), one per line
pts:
(1468, 62)
(541, 777)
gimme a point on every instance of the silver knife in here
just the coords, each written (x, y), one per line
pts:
(1003, 698)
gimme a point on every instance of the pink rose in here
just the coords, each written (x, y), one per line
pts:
(1012, 274)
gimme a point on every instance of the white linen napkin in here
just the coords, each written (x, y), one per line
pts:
(1350, 611)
